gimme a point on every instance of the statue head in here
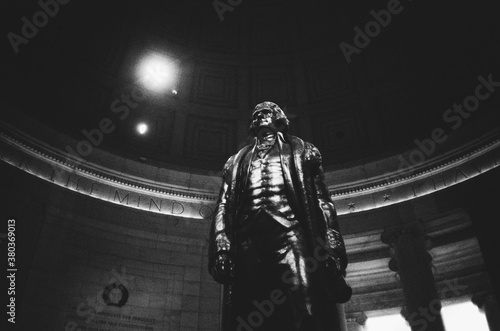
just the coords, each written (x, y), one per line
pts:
(268, 115)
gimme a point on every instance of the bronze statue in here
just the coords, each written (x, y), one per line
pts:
(275, 241)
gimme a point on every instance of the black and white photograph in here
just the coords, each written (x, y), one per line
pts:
(250, 165)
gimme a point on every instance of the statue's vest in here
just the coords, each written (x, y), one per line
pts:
(266, 191)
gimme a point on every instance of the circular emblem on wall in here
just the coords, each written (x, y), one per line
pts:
(115, 295)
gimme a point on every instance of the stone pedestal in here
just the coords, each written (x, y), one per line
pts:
(487, 303)
(411, 262)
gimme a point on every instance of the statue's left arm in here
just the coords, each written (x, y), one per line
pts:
(326, 208)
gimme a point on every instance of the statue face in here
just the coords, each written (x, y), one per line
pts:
(263, 118)
(269, 116)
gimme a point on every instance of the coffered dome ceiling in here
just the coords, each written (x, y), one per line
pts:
(81, 64)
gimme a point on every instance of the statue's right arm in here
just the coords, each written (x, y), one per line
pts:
(221, 264)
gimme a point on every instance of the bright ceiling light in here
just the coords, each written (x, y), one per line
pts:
(142, 128)
(157, 72)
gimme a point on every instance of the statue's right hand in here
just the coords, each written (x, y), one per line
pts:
(223, 269)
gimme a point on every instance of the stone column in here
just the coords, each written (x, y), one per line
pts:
(342, 317)
(355, 321)
(411, 261)
(487, 303)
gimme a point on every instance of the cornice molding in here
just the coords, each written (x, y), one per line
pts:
(50, 164)
(395, 185)
(152, 188)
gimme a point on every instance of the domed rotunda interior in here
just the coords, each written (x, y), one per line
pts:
(118, 117)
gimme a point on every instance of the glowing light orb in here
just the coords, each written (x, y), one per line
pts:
(157, 72)
(142, 128)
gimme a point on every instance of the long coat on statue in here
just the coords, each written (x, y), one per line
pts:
(310, 201)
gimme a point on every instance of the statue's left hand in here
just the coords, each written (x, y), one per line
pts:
(333, 266)
(340, 291)
(223, 269)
